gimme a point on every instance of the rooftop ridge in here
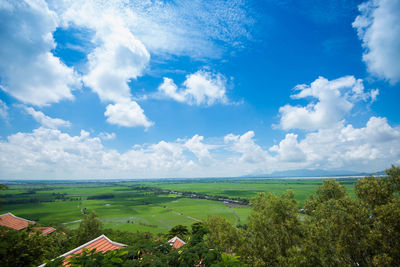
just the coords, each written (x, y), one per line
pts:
(9, 213)
(90, 242)
(172, 240)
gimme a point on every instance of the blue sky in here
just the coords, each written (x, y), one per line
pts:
(142, 89)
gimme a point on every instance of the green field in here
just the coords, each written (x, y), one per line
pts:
(142, 205)
(247, 188)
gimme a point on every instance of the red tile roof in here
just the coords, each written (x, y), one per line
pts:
(176, 242)
(45, 230)
(102, 243)
(11, 221)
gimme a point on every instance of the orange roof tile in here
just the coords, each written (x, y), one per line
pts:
(176, 242)
(14, 222)
(45, 230)
(102, 243)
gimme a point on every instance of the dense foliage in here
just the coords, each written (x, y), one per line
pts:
(332, 229)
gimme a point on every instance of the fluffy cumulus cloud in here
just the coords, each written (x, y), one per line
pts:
(289, 150)
(329, 142)
(28, 69)
(199, 149)
(118, 58)
(125, 33)
(246, 147)
(126, 113)
(333, 100)
(379, 30)
(200, 88)
(46, 121)
(52, 153)
(372, 147)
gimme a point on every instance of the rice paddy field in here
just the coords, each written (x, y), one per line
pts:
(147, 205)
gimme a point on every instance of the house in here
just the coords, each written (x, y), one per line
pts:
(101, 244)
(11, 221)
(45, 230)
(176, 242)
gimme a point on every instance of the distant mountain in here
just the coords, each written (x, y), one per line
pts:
(315, 173)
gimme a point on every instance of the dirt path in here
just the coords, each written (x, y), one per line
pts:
(181, 214)
(73, 222)
(234, 213)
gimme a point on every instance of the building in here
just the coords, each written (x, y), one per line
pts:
(101, 244)
(176, 242)
(11, 221)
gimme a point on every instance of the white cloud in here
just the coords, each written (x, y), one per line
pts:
(46, 121)
(244, 144)
(169, 89)
(49, 153)
(3, 110)
(375, 145)
(118, 58)
(335, 99)
(107, 136)
(28, 69)
(289, 150)
(199, 149)
(123, 34)
(128, 114)
(378, 28)
(195, 28)
(200, 88)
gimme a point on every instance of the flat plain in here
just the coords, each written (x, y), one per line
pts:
(146, 205)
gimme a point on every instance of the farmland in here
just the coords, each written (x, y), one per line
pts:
(147, 205)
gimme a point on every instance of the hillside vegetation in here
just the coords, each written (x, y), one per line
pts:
(329, 229)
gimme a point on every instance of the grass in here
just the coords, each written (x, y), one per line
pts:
(134, 210)
(247, 188)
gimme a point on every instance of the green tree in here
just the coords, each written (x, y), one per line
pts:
(373, 191)
(336, 234)
(274, 229)
(229, 261)
(330, 189)
(394, 177)
(199, 230)
(92, 258)
(222, 233)
(89, 228)
(386, 232)
(179, 230)
(17, 248)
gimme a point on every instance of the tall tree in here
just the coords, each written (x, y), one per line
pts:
(89, 228)
(223, 234)
(179, 230)
(373, 191)
(274, 229)
(330, 189)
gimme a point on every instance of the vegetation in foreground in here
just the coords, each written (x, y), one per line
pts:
(334, 230)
